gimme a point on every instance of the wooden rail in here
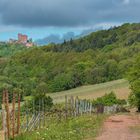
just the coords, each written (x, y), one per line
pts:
(29, 120)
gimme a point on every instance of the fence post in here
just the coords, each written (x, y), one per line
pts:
(34, 107)
(72, 106)
(66, 106)
(69, 107)
(18, 119)
(7, 113)
(77, 105)
(34, 113)
(82, 107)
(13, 124)
(39, 113)
(90, 107)
(3, 118)
(43, 110)
(27, 118)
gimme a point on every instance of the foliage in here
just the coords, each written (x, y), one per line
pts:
(99, 57)
(133, 101)
(125, 35)
(44, 101)
(121, 102)
(10, 49)
(39, 102)
(134, 79)
(109, 100)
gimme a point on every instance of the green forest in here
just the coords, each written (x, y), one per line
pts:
(99, 57)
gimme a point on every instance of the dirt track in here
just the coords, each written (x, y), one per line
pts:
(118, 128)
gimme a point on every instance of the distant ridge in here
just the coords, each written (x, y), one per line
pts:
(121, 36)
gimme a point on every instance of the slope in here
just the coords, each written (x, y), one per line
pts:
(120, 87)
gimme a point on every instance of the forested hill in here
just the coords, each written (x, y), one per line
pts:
(99, 57)
(7, 49)
(122, 36)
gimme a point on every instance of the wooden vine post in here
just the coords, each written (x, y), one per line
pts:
(66, 106)
(90, 107)
(43, 110)
(18, 117)
(77, 105)
(7, 113)
(27, 115)
(72, 106)
(39, 113)
(3, 117)
(13, 121)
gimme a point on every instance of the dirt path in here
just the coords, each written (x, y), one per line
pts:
(117, 127)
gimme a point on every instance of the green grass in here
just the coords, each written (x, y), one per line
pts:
(120, 87)
(79, 128)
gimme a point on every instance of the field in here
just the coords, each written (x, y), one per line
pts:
(78, 128)
(82, 127)
(120, 87)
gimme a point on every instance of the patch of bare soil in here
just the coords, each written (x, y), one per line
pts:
(117, 127)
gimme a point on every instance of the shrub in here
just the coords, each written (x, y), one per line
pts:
(38, 103)
(109, 100)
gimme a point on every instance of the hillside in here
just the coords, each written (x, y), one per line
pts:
(97, 58)
(106, 40)
(119, 87)
(7, 49)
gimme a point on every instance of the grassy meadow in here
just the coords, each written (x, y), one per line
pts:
(79, 128)
(120, 87)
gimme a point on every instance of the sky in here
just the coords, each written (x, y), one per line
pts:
(41, 18)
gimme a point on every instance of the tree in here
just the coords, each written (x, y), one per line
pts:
(42, 101)
(134, 79)
(71, 41)
(64, 42)
(42, 88)
(112, 71)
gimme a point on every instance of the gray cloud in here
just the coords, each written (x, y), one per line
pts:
(55, 38)
(60, 13)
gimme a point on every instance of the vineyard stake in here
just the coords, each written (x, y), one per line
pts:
(18, 119)
(13, 124)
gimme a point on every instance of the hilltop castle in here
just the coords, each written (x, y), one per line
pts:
(22, 39)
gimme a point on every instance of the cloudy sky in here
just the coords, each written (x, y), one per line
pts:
(40, 18)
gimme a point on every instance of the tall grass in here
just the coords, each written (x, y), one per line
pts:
(73, 129)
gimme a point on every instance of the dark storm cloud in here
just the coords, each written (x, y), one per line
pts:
(67, 12)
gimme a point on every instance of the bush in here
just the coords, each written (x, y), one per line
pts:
(39, 102)
(122, 102)
(109, 100)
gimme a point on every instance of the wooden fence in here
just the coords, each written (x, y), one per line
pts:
(16, 121)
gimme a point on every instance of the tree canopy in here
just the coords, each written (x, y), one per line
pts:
(99, 57)
(134, 79)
